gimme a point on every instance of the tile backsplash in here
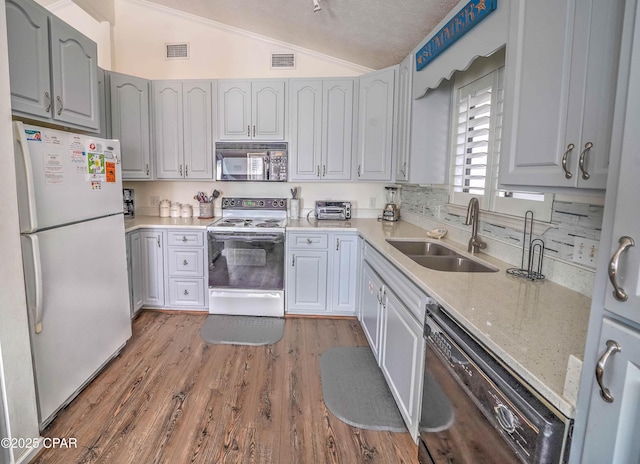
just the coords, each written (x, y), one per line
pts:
(570, 219)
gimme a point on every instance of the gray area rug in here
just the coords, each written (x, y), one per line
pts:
(355, 391)
(242, 330)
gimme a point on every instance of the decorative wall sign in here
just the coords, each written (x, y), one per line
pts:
(472, 13)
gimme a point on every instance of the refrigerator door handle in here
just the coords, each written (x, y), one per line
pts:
(21, 139)
(34, 281)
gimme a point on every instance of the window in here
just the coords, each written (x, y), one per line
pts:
(478, 97)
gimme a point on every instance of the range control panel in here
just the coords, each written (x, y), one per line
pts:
(254, 203)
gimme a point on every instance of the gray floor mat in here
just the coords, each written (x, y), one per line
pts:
(355, 390)
(242, 330)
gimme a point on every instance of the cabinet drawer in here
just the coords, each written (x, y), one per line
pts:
(308, 241)
(414, 298)
(186, 262)
(186, 292)
(186, 238)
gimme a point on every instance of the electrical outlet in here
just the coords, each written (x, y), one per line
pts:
(372, 202)
(155, 200)
(585, 251)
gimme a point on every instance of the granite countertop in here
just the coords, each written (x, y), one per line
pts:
(533, 327)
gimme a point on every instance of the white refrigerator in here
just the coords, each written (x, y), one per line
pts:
(73, 247)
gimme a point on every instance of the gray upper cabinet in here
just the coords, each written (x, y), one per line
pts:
(375, 125)
(559, 94)
(403, 122)
(130, 124)
(251, 110)
(321, 116)
(53, 68)
(183, 129)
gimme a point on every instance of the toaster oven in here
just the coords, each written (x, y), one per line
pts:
(335, 210)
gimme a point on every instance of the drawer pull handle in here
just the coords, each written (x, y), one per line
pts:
(309, 241)
(612, 347)
(186, 292)
(158, 240)
(567, 173)
(588, 146)
(293, 260)
(618, 292)
(185, 263)
(184, 238)
(337, 244)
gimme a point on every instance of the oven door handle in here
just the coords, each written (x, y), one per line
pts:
(248, 237)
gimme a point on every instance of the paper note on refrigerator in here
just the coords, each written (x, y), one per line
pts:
(53, 169)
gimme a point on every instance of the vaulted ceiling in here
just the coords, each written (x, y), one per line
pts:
(370, 33)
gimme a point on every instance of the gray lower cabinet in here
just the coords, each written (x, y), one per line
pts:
(183, 129)
(390, 309)
(152, 267)
(53, 68)
(134, 261)
(186, 269)
(129, 100)
(167, 269)
(321, 272)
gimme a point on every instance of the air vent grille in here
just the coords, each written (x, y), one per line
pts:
(177, 51)
(283, 61)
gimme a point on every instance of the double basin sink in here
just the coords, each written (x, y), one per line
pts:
(438, 257)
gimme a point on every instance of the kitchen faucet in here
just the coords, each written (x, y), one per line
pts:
(472, 219)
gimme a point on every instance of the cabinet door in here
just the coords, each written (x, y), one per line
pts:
(130, 123)
(337, 126)
(402, 358)
(371, 289)
(135, 255)
(559, 92)
(344, 273)
(307, 281)
(403, 124)
(28, 42)
(234, 110)
(152, 268)
(74, 73)
(375, 125)
(168, 131)
(305, 144)
(267, 110)
(614, 427)
(198, 130)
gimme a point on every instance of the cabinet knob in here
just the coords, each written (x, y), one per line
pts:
(309, 241)
(185, 263)
(184, 238)
(186, 292)
(567, 173)
(612, 347)
(587, 146)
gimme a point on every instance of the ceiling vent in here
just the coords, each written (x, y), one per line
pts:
(283, 61)
(177, 51)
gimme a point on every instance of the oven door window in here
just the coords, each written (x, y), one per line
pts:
(246, 260)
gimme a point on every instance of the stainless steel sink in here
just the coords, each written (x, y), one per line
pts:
(451, 264)
(421, 248)
(438, 257)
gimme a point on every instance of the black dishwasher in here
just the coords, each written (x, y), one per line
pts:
(476, 411)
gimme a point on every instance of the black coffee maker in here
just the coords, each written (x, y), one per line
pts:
(127, 203)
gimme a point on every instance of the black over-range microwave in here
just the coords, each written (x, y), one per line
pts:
(257, 162)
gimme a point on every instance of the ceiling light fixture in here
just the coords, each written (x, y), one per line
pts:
(316, 6)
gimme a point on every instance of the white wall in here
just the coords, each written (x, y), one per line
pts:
(14, 337)
(217, 51)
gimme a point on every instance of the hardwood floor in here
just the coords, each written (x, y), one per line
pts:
(170, 397)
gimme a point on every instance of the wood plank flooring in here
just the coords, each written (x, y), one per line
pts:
(170, 397)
